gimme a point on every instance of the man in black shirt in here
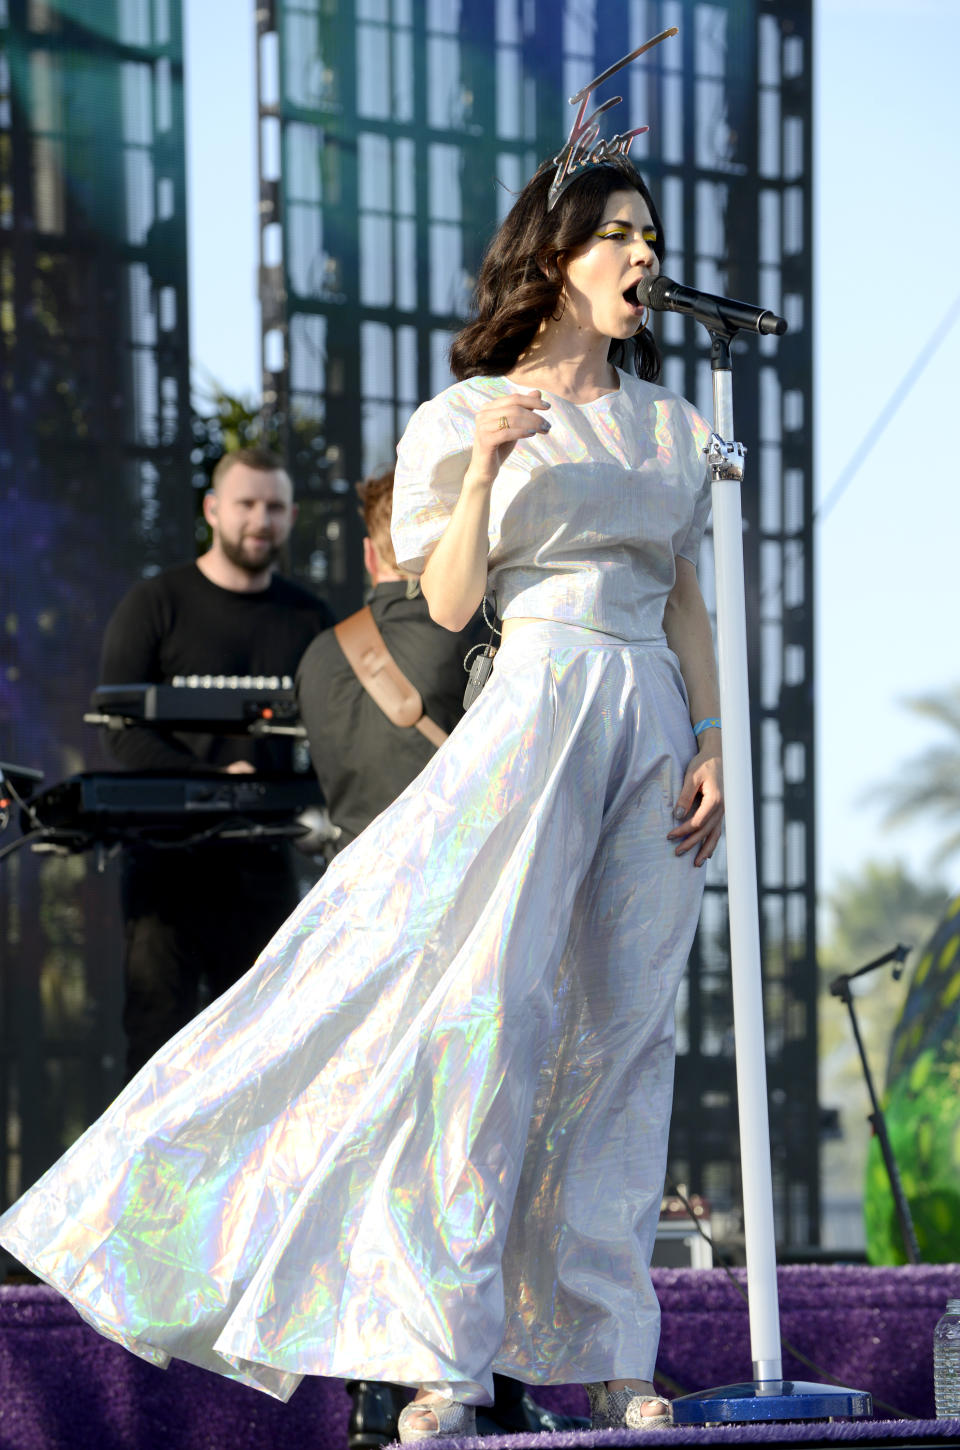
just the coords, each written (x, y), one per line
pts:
(363, 761)
(207, 911)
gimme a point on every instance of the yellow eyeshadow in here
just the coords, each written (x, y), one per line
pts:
(649, 234)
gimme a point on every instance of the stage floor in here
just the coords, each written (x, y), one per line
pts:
(64, 1387)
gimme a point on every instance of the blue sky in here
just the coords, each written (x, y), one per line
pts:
(888, 121)
(887, 125)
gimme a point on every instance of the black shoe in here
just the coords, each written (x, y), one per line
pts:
(376, 1409)
(520, 1414)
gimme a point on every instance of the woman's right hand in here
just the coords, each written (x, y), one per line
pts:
(454, 577)
(499, 426)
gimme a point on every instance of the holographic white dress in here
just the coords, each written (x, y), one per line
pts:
(424, 1137)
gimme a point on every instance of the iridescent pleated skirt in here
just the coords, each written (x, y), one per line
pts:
(424, 1137)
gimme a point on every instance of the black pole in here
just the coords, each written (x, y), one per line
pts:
(840, 987)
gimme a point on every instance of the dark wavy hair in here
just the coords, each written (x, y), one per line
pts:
(520, 282)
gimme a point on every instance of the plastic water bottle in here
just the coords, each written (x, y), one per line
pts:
(946, 1361)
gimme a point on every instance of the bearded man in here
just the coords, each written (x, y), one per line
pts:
(195, 918)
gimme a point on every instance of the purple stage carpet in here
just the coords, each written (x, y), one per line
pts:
(63, 1387)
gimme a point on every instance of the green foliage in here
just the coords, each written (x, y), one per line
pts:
(230, 422)
(922, 1111)
(227, 421)
(870, 911)
(918, 1017)
(929, 1019)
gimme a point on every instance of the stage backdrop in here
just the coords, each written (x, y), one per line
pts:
(393, 134)
(96, 489)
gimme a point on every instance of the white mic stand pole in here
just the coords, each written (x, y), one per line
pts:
(768, 1396)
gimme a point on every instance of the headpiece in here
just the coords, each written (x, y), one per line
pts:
(580, 152)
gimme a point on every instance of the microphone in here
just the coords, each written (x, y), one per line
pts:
(662, 294)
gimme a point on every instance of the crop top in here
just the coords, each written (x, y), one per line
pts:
(586, 520)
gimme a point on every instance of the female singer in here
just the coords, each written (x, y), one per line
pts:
(424, 1137)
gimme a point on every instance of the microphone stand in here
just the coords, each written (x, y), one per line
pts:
(768, 1396)
(840, 987)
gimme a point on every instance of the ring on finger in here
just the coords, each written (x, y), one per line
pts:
(504, 421)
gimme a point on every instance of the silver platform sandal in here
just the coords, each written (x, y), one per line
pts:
(451, 1417)
(614, 1409)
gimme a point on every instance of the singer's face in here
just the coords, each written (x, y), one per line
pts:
(601, 275)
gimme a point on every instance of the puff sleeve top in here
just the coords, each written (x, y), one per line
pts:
(586, 521)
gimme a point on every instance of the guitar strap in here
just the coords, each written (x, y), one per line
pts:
(381, 676)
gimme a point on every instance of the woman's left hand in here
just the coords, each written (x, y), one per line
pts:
(700, 808)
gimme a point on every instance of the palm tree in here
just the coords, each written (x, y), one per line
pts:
(930, 783)
(878, 906)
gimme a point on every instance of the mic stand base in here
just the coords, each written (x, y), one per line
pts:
(775, 1399)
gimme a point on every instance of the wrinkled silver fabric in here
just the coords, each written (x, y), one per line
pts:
(424, 1137)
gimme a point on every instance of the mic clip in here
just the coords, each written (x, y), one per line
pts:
(726, 460)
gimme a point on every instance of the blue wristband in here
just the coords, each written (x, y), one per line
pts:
(701, 725)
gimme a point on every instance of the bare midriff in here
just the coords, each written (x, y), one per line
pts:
(509, 625)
